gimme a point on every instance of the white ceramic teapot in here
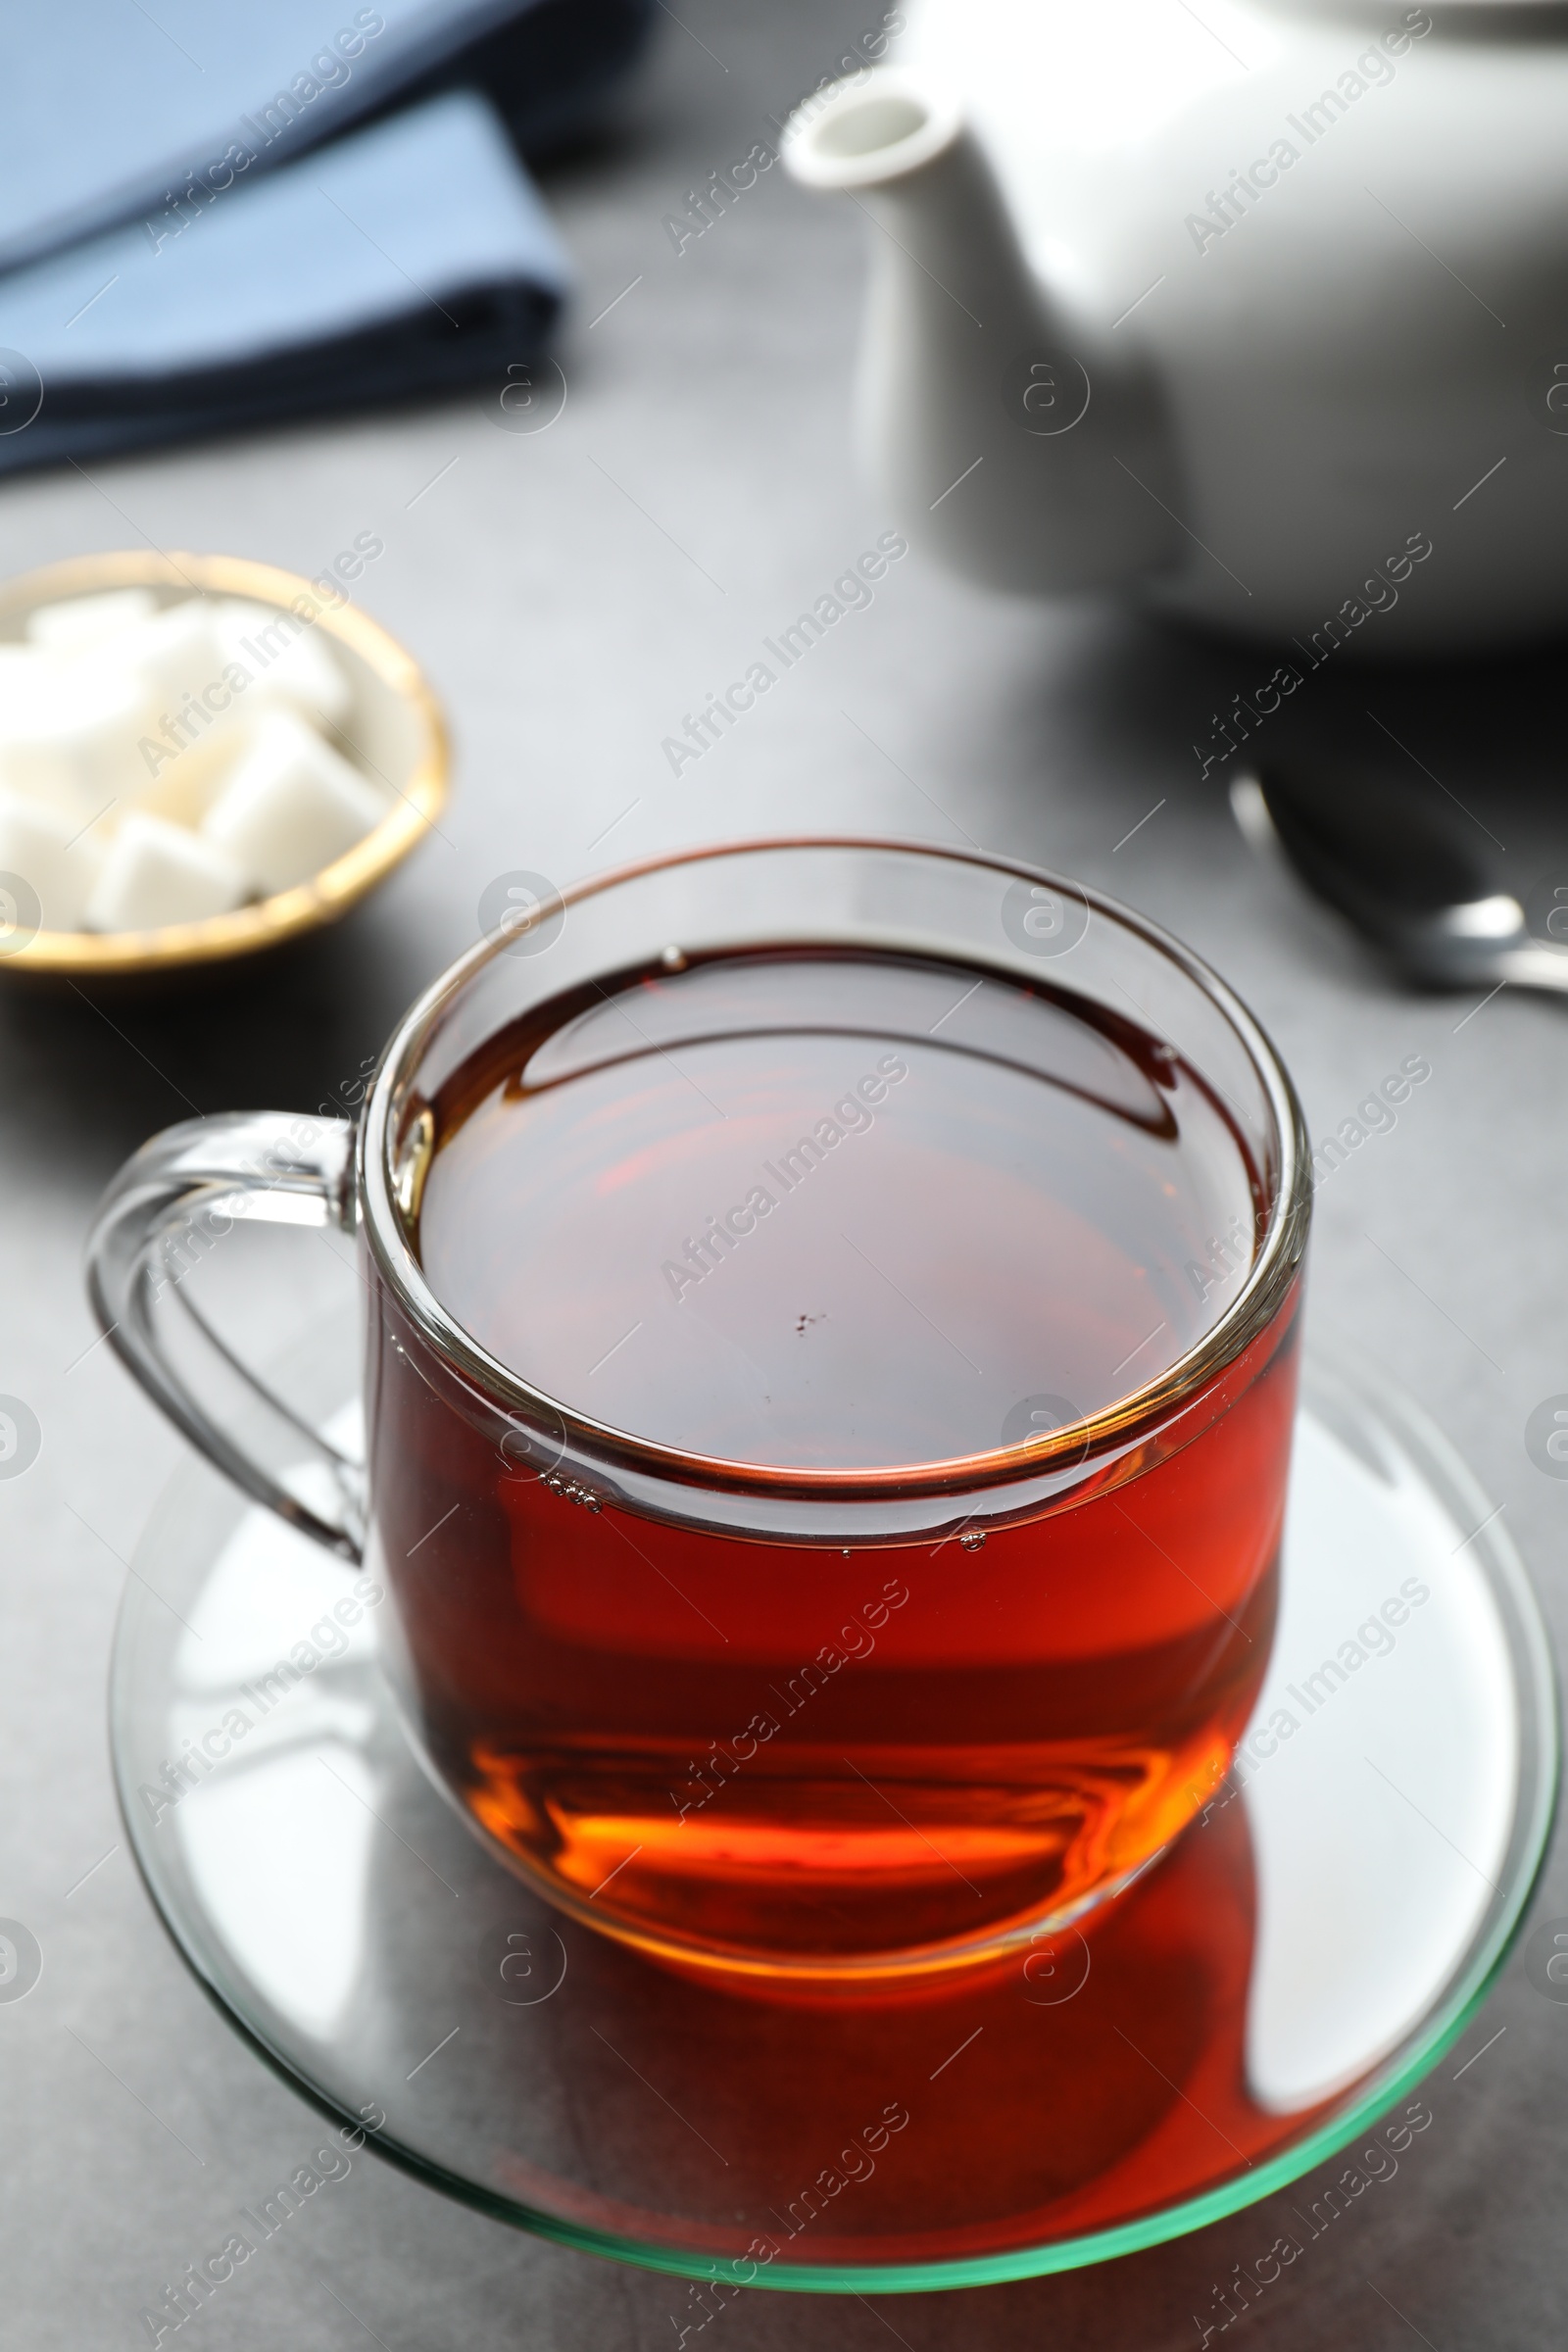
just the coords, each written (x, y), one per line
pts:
(1257, 311)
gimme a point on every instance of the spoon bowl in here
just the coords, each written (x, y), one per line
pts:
(1401, 882)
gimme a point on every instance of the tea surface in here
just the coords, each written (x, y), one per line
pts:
(833, 1210)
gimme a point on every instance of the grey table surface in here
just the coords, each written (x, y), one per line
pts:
(573, 593)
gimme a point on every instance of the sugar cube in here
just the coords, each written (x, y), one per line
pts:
(155, 873)
(291, 805)
(68, 734)
(67, 626)
(183, 785)
(176, 659)
(41, 848)
(160, 763)
(287, 658)
(20, 666)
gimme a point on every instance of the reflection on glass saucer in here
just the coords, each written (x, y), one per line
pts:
(1280, 1978)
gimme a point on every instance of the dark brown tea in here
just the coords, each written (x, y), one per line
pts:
(833, 1211)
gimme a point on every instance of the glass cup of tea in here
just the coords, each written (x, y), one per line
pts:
(831, 1346)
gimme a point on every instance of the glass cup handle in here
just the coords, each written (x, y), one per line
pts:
(170, 1202)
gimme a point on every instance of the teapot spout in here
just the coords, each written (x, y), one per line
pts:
(1013, 441)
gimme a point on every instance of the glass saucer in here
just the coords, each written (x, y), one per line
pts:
(1273, 1984)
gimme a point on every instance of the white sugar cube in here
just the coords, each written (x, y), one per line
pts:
(287, 658)
(160, 763)
(37, 845)
(177, 659)
(19, 666)
(291, 806)
(183, 785)
(155, 873)
(25, 675)
(82, 619)
(68, 732)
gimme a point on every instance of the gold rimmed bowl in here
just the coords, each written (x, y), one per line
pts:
(394, 732)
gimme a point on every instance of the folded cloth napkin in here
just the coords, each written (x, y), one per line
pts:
(110, 111)
(412, 256)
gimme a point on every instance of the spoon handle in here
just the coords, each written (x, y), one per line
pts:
(1535, 967)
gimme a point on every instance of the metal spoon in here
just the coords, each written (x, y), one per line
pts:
(1401, 884)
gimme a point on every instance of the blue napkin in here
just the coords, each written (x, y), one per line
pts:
(221, 286)
(412, 256)
(109, 109)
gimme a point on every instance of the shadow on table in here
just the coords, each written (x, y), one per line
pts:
(104, 1062)
(1474, 748)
